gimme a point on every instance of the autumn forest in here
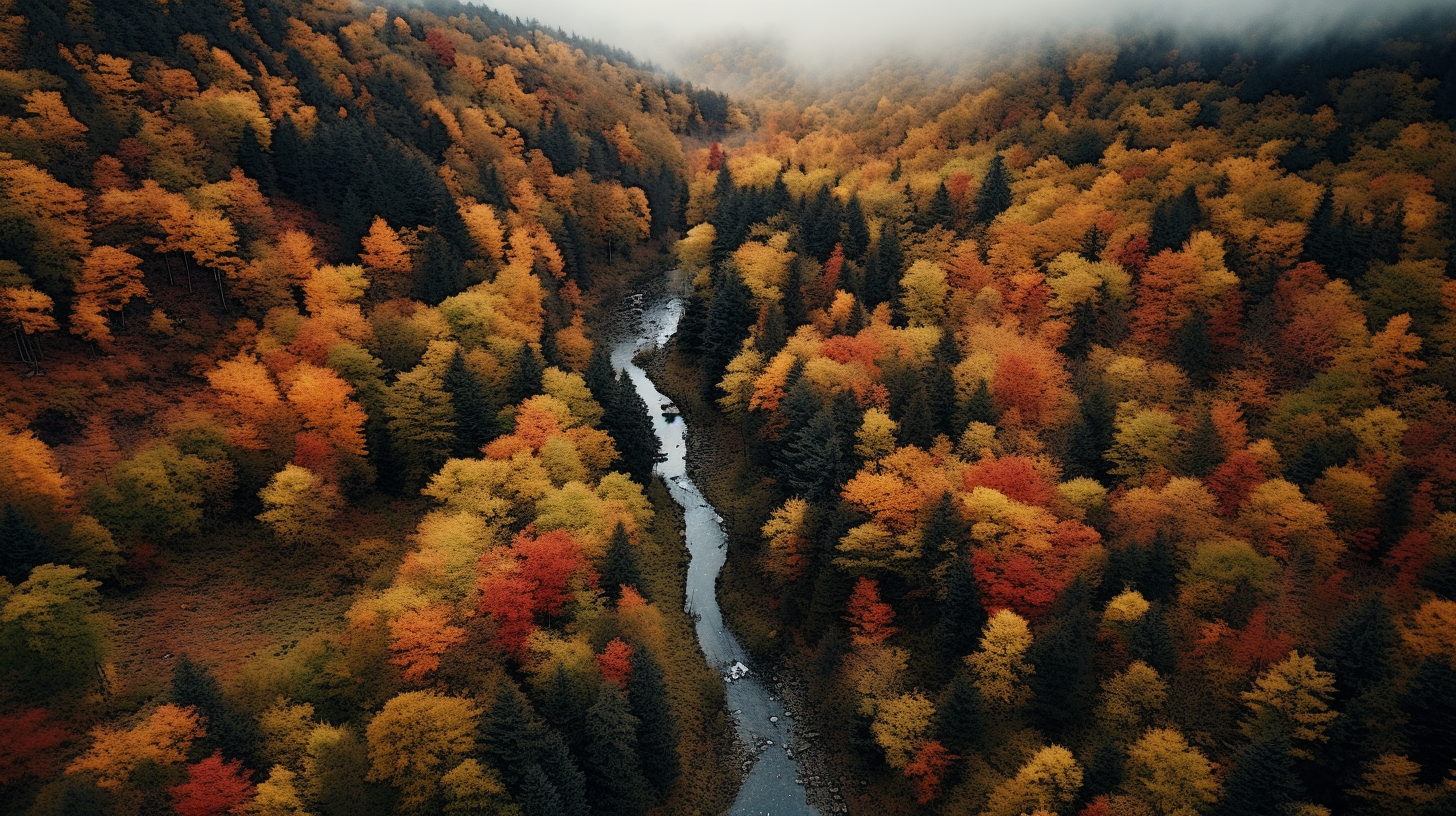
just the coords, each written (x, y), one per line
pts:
(1076, 418)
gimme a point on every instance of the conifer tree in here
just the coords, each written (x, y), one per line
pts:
(256, 163)
(994, 197)
(1263, 783)
(1104, 767)
(22, 547)
(938, 212)
(855, 236)
(228, 730)
(1362, 648)
(620, 567)
(536, 795)
(563, 709)
(1193, 348)
(882, 272)
(961, 616)
(1063, 682)
(981, 407)
(693, 323)
(1204, 451)
(614, 779)
(505, 732)
(1173, 221)
(960, 718)
(1321, 242)
(475, 422)
(729, 317)
(526, 379)
(628, 421)
(1152, 643)
(656, 733)
(1430, 707)
(817, 461)
(439, 271)
(551, 754)
(917, 424)
(940, 386)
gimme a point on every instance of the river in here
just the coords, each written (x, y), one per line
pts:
(773, 786)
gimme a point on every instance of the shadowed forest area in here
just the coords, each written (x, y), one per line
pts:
(1080, 418)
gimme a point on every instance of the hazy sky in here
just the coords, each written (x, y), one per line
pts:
(661, 29)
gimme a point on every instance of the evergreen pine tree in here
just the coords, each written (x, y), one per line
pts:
(254, 162)
(505, 734)
(475, 411)
(729, 318)
(1362, 649)
(994, 197)
(855, 236)
(1093, 243)
(962, 617)
(1321, 242)
(600, 377)
(1151, 642)
(917, 424)
(693, 323)
(492, 189)
(793, 301)
(289, 157)
(1062, 656)
(981, 407)
(1104, 772)
(620, 567)
(1205, 449)
(1193, 348)
(1173, 221)
(656, 734)
(1159, 578)
(228, 730)
(857, 318)
(939, 212)
(535, 794)
(882, 272)
(1083, 330)
(940, 386)
(563, 710)
(615, 784)
(22, 547)
(526, 379)
(630, 425)
(816, 459)
(1092, 435)
(549, 751)
(775, 332)
(1263, 783)
(1430, 707)
(960, 715)
(439, 272)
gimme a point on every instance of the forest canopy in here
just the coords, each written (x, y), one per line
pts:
(1080, 418)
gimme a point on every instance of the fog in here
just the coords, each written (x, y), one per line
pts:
(823, 33)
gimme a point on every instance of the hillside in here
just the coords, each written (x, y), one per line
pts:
(1095, 405)
(1078, 412)
(274, 274)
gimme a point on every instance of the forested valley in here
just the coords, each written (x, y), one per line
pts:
(1079, 416)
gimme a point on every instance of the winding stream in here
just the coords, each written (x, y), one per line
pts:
(773, 786)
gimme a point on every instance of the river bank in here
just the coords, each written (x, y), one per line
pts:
(773, 782)
(714, 459)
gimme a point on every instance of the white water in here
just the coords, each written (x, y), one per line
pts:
(772, 787)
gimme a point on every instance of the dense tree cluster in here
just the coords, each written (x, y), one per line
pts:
(1097, 422)
(1097, 434)
(305, 287)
